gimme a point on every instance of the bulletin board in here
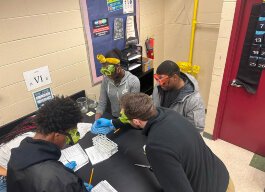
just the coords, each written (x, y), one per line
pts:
(105, 28)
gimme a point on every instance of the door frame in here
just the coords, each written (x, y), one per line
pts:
(232, 48)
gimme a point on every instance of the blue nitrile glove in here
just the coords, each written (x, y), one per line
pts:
(88, 186)
(102, 122)
(71, 165)
(102, 126)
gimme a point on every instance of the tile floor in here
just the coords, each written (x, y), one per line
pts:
(236, 159)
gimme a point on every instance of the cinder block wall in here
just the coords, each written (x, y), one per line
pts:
(152, 16)
(219, 62)
(36, 33)
(178, 20)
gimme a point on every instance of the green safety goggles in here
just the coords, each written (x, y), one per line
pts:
(109, 70)
(73, 136)
(123, 118)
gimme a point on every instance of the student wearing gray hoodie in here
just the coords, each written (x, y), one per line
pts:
(115, 84)
(180, 92)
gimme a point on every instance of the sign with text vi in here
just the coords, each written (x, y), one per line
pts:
(37, 78)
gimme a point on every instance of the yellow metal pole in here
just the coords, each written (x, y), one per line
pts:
(194, 21)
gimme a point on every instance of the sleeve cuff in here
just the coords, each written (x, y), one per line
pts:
(117, 123)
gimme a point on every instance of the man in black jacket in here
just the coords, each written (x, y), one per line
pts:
(180, 159)
(34, 165)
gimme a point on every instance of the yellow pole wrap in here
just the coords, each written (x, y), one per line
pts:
(194, 21)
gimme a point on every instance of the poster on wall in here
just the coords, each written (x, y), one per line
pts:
(114, 5)
(41, 96)
(128, 6)
(105, 27)
(130, 27)
(118, 28)
(100, 27)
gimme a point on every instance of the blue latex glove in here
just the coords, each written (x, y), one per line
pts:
(102, 126)
(88, 186)
(71, 165)
(102, 122)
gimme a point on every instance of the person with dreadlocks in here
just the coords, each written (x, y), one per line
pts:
(12, 140)
(180, 92)
(116, 82)
(34, 165)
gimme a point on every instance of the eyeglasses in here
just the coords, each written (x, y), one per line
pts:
(73, 136)
(161, 79)
(108, 70)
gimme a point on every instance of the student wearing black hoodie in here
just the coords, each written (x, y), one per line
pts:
(179, 157)
(34, 165)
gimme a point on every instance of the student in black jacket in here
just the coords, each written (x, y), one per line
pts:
(34, 165)
(180, 159)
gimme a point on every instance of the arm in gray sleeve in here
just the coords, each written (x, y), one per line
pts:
(135, 85)
(156, 97)
(196, 113)
(103, 98)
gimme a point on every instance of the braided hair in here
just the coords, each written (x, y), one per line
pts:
(27, 125)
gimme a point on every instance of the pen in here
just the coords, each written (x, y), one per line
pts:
(144, 166)
(116, 130)
(66, 159)
(91, 176)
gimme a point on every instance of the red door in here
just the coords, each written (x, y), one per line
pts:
(241, 116)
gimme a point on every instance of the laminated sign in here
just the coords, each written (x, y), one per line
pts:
(100, 27)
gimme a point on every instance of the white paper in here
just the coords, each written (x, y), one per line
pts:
(37, 78)
(95, 155)
(128, 6)
(83, 128)
(103, 186)
(5, 149)
(74, 153)
(130, 28)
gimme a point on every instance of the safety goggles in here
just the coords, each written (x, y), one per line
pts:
(72, 136)
(123, 118)
(161, 79)
(108, 70)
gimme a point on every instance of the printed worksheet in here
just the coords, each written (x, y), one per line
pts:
(103, 186)
(83, 128)
(95, 155)
(74, 153)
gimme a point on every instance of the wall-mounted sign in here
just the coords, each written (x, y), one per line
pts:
(130, 27)
(114, 5)
(41, 96)
(128, 6)
(37, 78)
(118, 29)
(101, 27)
